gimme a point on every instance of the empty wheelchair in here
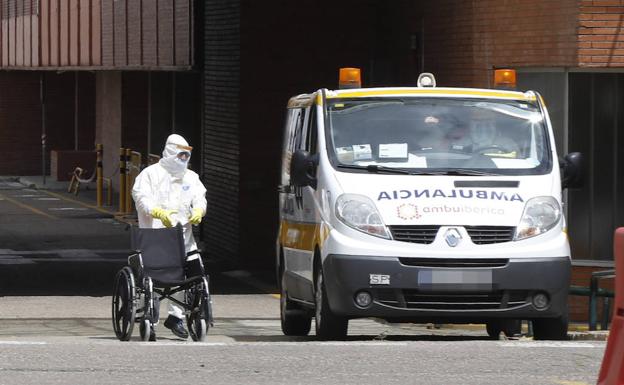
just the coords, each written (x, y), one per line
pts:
(160, 268)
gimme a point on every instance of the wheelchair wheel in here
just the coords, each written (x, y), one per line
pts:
(147, 331)
(124, 306)
(150, 311)
(197, 320)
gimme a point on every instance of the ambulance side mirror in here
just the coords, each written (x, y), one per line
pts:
(303, 169)
(572, 170)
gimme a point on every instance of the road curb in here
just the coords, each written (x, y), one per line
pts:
(600, 335)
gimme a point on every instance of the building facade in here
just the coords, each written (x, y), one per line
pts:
(121, 73)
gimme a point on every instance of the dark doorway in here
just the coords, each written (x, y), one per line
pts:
(595, 128)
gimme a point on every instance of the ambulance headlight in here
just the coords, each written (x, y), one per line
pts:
(540, 215)
(360, 213)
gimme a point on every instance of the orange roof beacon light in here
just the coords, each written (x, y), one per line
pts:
(349, 78)
(505, 78)
(426, 79)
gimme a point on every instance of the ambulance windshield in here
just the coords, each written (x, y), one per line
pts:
(506, 137)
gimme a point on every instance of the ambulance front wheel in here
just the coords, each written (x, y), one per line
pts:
(510, 327)
(295, 320)
(329, 326)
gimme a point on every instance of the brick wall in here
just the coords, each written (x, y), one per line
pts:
(20, 124)
(465, 40)
(601, 33)
(20, 118)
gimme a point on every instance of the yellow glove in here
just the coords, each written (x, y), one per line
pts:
(163, 215)
(196, 216)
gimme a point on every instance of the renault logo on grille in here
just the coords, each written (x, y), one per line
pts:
(452, 237)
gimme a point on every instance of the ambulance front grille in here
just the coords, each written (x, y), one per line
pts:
(480, 235)
(485, 235)
(454, 262)
(414, 234)
(414, 299)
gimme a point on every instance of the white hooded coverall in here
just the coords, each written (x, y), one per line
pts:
(170, 185)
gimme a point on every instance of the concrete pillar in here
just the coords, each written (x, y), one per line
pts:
(108, 120)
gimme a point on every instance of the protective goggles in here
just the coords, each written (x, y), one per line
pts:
(184, 155)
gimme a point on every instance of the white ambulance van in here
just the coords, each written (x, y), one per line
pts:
(423, 205)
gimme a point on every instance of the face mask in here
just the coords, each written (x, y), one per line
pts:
(174, 165)
(183, 163)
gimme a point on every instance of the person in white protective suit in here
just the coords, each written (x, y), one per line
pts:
(168, 193)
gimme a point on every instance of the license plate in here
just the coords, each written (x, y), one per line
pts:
(379, 279)
(455, 279)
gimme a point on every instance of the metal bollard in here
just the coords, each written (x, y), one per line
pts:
(99, 149)
(606, 310)
(593, 317)
(122, 180)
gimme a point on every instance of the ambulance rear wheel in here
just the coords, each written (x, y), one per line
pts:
(295, 321)
(329, 326)
(551, 328)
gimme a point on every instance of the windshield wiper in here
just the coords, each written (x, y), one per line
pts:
(373, 168)
(469, 172)
(377, 169)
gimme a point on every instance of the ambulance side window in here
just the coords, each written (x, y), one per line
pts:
(298, 118)
(290, 141)
(311, 131)
(293, 117)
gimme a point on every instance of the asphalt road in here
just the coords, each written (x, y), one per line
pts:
(69, 340)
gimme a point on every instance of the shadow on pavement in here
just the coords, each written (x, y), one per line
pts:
(361, 338)
(96, 279)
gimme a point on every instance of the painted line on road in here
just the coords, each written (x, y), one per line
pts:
(536, 344)
(323, 343)
(331, 343)
(68, 209)
(183, 344)
(27, 207)
(65, 251)
(28, 261)
(23, 343)
(283, 343)
(565, 382)
(78, 202)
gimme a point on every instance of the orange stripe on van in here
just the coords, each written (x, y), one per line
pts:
(302, 236)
